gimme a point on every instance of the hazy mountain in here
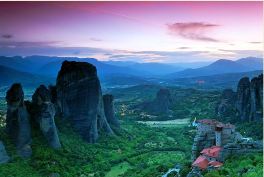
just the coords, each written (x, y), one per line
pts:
(192, 65)
(50, 66)
(227, 80)
(150, 68)
(221, 66)
(120, 63)
(9, 76)
(155, 68)
(251, 62)
(103, 69)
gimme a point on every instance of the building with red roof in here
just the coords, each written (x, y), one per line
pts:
(212, 151)
(201, 162)
(208, 158)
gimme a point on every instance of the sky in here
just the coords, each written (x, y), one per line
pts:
(168, 32)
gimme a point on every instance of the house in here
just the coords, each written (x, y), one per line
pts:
(209, 158)
(215, 141)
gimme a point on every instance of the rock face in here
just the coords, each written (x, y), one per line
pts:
(44, 115)
(160, 105)
(246, 103)
(256, 93)
(4, 158)
(243, 98)
(109, 110)
(80, 99)
(163, 101)
(226, 103)
(17, 120)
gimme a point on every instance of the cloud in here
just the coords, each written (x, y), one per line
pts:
(193, 30)
(182, 48)
(255, 42)
(27, 44)
(95, 39)
(7, 36)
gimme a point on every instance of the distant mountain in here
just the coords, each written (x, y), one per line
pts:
(192, 65)
(155, 68)
(52, 68)
(30, 64)
(251, 62)
(120, 63)
(9, 76)
(220, 67)
(150, 68)
(50, 65)
(219, 81)
(121, 81)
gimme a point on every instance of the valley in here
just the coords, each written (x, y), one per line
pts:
(145, 146)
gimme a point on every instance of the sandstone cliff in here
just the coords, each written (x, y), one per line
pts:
(80, 100)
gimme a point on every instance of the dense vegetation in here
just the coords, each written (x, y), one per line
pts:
(137, 150)
(187, 103)
(250, 165)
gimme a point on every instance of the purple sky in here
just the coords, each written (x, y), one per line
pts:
(139, 31)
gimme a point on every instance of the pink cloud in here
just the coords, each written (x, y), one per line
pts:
(193, 30)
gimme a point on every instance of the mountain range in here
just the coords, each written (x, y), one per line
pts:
(44, 69)
(222, 66)
(9, 76)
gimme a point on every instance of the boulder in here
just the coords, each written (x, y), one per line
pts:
(44, 115)
(17, 120)
(109, 110)
(80, 99)
(4, 158)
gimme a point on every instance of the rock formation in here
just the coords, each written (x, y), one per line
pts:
(256, 93)
(160, 105)
(17, 120)
(163, 101)
(226, 103)
(243, 98)
(109, 110)
(44, 115)
(80, 99)
(4, 158)
(246, 103)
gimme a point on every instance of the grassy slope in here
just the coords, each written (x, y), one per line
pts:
(146, 150)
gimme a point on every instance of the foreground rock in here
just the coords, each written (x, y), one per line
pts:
(4, 158)
(17, 120)
(109, 110)
(80, 99)
(44, 115)
(246, 104)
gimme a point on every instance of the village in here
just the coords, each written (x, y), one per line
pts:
(214, 142)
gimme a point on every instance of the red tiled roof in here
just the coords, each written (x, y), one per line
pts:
(215, 164)
(208, 121)
(212, 151)
(201, 162)
(215, 123)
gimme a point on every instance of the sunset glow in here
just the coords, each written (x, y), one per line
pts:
(142, 31)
